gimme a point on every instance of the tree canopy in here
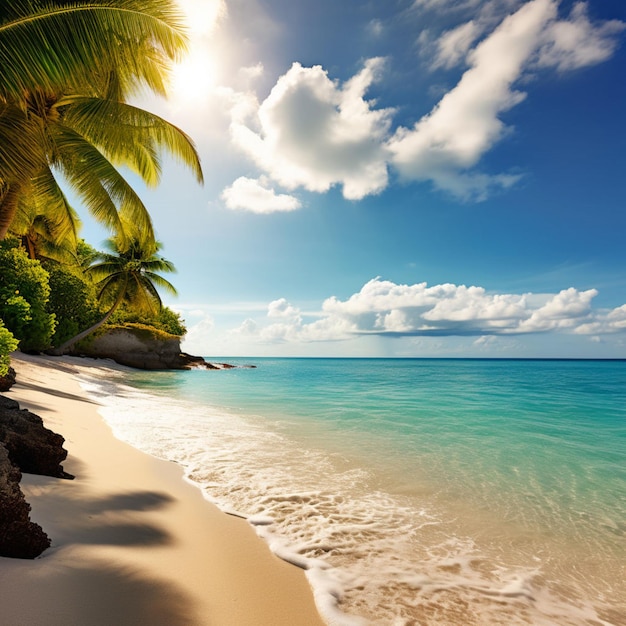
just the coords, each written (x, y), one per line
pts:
(68, 71)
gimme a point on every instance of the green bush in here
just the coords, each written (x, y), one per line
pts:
(8, 344)
(72, 301)
(166, 320)
(24, 293)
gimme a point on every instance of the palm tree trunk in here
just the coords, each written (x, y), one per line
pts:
(64, 348)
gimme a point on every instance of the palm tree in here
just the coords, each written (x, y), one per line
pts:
(47, 231)
(84, 139)
(68, 68)
(128, 274)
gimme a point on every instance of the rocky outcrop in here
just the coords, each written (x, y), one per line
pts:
(140, 348)
(19, 537)
(26, 445)
(8, 380)
(31, 446)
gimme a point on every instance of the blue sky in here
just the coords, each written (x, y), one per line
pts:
(400, 178)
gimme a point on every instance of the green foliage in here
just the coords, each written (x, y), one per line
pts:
(126, 277)
(24, 293)
(129, 274)
(166, 320)
(147, 332)
(85, 254)
(8, 344)
(72, 301)
(69, 70)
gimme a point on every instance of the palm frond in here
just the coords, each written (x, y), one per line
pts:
(102, 188)
(20, 144)
(52, 44)
(134, 137)
(159, 281)
(52, 203)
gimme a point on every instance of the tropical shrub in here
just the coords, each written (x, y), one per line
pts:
(72, 301)
(166, 320)
(24, 293)
(8, 344)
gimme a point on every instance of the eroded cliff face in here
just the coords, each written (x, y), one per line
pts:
(26, 445)
(19, 537)
(140, 348)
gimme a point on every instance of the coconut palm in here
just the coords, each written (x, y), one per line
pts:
(68, 69)
(47, 231)
(128, 274)
(85, 139)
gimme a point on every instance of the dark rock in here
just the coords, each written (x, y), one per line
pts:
(19, 537)
(8, 380)
(31, 446)
(139, 348)
(8, 403)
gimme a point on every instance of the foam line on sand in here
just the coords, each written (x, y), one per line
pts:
(133, 543)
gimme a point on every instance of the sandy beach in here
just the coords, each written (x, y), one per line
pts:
(133, 543)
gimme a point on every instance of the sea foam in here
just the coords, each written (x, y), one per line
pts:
(372, 556)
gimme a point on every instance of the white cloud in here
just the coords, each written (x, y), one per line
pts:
(282, 308)
(566, 309)
(465, 123)
(386, 308)
(375, 28)
(576, 42)
(454, 44)
(446, 144)
(315, 133)
(199, 336)
(251, 73)
(606, 322)
(252, 195)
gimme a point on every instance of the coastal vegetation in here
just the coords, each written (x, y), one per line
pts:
(69, 129)
(126, 275)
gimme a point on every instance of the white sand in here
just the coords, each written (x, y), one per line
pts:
(133, 543)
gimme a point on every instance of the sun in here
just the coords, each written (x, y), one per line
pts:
(194, 79)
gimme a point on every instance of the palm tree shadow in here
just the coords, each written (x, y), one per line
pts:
(114, 520)
(95, 591)
(53, 392)
(94, 594)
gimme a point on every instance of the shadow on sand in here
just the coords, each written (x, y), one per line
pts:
(56, 590)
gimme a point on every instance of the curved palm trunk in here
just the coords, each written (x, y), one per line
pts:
(64, 348)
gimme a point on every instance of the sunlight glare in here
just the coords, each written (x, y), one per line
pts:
(193, 80)
(202, 15)
(195, 77)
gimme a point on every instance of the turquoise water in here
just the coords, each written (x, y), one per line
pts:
(413, 491)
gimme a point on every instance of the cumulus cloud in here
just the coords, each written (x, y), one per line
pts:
(314, 133)
(282, 308)
(608, 322)
(253, 195)
(383, 307)
(200, 334)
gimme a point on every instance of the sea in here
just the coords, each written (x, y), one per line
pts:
(411, 491)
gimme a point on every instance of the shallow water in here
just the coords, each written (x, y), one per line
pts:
(413, 491)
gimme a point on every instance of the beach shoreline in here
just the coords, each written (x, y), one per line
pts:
(133, 542)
